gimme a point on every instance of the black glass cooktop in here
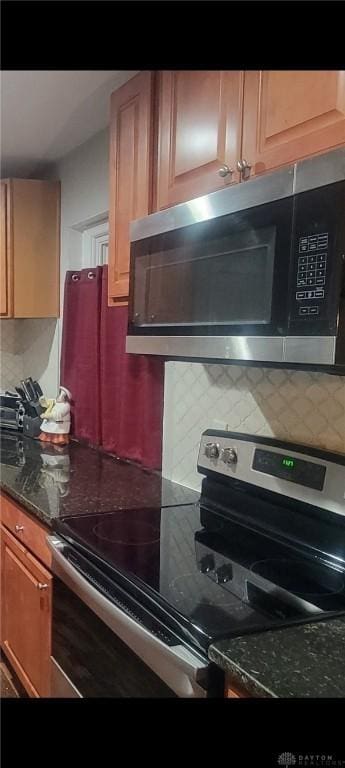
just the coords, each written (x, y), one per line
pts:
(214, 581)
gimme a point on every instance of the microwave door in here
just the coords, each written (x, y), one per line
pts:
(224, 277)
(232, 285)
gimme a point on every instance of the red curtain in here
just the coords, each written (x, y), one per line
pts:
(117, 398)
(80, 353)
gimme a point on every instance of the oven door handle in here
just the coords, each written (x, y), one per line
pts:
(181, 669)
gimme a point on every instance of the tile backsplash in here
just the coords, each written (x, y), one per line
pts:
(11, 364)
(292, 405)
(26, 347)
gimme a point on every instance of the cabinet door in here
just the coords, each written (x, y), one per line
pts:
(290, 115)
(5, 261)
(36, 247)
(200, 116)
(233, 692)
(25, 615)
(130, 174)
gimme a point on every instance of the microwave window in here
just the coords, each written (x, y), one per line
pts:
(223, 281)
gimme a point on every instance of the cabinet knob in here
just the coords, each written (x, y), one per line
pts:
(224, 170)
(18, 528)
(244, 168)
(42, 586)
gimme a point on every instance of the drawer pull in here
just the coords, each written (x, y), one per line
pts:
(18, 528)
(42, 586)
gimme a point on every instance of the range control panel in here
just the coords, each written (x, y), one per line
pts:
(276, 466)
(311, 274)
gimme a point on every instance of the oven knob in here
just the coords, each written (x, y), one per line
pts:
(212, 450)
(229, 456)
(223, 574)
(207, 564)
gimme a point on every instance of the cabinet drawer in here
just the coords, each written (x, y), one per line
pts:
(29, 532)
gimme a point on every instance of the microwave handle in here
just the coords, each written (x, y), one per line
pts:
(176, 665)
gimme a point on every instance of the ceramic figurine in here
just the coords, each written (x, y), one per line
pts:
(56, 422)
(55, 472)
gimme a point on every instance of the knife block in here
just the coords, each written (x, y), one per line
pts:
(31, 426)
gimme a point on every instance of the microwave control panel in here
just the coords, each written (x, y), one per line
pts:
(316, 274)
(311, 275)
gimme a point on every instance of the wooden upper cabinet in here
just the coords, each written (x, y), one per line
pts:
(26, 588)
(130, 174)
(30, 248)
(289, 115)
(199, 131)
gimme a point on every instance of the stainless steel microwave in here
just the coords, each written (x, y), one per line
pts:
(251, 273)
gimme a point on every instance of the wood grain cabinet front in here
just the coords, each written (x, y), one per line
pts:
(290, 115)
(30, 248)
(212, 123)
(131, 136)
(26, 588)
(199, 133)
(232, 691)
(29, 532)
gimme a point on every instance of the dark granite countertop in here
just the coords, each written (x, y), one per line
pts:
(301, 661)
(53, 482)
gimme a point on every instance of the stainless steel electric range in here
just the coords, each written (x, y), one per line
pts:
(264, 548)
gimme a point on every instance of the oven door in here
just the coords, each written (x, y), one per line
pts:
(226, 277)
(106, 644)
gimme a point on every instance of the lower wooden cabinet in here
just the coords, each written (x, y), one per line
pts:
(26, 605)
(232, 691)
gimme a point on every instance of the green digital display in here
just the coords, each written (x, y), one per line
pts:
(295, 470)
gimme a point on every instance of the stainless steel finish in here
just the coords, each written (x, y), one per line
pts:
(182, 670)
(224, 170)
(244, 168)
(212, 450)
(18, 528)
(304, 350)
(25, 390)
(229, 456)
(309, 350)
(319, 171)
(264, 189)
(61, 686)
(332, 497)
(258, 348)
(313, 350)
(42, 586)
(4, 423)
(306, 174)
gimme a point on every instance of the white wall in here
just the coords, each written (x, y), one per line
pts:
(84, 176)
(298, 406)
